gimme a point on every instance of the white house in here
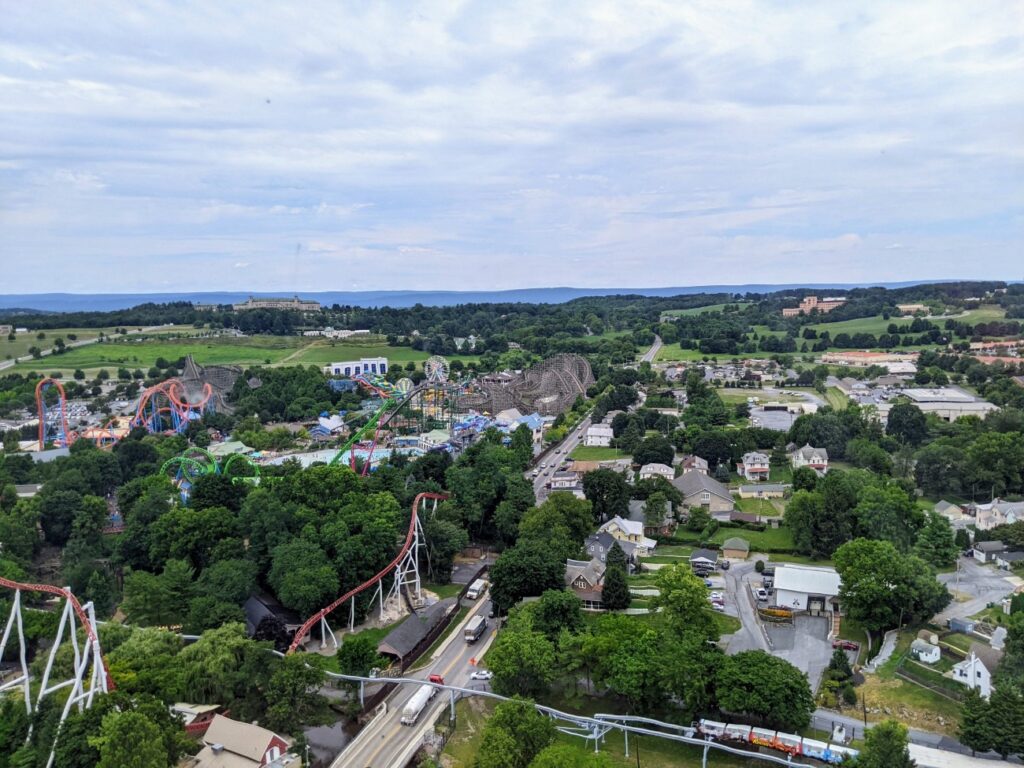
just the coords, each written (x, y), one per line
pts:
(755, 466)
(987, 551)
(598, 435)
(977, 669)
(925, 652)
(998, 513)
(809, 456)
(364, 366)
(631, 531)
(806, 588)
(648, 471)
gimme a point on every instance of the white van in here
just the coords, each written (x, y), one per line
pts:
(476, 589)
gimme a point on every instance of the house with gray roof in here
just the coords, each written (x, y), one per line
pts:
(977, 669)
(666, 525)
(598, 544)
(585, 578)
(700, 490)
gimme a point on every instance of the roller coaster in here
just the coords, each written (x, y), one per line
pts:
(405, 566)
(167, 407)
(89, 673)
(187, 467)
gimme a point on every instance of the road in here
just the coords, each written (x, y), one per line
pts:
(974, 586)
(549, 461)
(652, 353)
(387, 744)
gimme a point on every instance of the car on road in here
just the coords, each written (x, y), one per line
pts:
(846, 645)
(435, 679)
(481, 674)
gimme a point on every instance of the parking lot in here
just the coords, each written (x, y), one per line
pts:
(804, 644)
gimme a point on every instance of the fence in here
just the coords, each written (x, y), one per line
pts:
(911, 671)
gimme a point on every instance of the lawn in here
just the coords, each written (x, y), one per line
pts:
(760, 541)
(675, 353)
(702, 310)
(471, 716)
(596, 453)
(912, 704)
(765, 507)
(444, 590)
(836, 399)
(22, 341)
(133, 352)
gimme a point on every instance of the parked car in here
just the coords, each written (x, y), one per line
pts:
(720, 607)
(846, 645)
(481, 674)
(762, 595)
(723, 564)
(716, 597)
(708, 583)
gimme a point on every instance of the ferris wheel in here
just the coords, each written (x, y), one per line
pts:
(404, 386)
(436, 369)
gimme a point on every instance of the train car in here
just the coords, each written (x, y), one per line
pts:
(816, 749)
(763, 737)
(735, 732)
(840, 754)
(789, 743)
(711, 728)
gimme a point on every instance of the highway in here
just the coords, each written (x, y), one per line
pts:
(389, 744)
(652, 353)
(554, 457)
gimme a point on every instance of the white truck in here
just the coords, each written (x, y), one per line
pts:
(474, 629)
(476, 589)
(416, 705)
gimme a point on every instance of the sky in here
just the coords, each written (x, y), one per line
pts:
(181, 146)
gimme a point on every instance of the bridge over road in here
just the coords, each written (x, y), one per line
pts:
(386, 743)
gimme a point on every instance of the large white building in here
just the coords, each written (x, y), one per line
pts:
(362, 367)
(272, 302)
(949, 403)
(599, 435)
(806, 588)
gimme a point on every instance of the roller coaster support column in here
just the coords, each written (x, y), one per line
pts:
(407, 573)
(325, 630)
(15, 620)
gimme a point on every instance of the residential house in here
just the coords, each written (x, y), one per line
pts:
(28, 490)
(925, 652)
(700, 490)
(633, 532)
(695, 463)
(567, 482)
(986, 551)
(598, 436)
(195, 717)
(809, 456)
(597, 546)
(763, 491)
(585, 578)
(665, 527)
(954, 513)
(1009, 560)
(703, 558)
(755, 466)
(735, 548)
(977, 669)
(806, 588)
(647, 471)
(229, 743)
(998, 512)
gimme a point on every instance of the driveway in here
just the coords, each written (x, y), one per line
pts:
(749, 636)
(974, 586)
(804, 644)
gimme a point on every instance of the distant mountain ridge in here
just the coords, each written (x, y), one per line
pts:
(104, 302)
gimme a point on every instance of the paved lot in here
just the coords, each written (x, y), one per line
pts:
(804, 644)
(974, 588)
(749, 637)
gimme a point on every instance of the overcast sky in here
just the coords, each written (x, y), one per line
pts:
(485, 145)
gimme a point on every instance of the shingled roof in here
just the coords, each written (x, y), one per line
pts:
(401, 640)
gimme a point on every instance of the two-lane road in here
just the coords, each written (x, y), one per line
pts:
(554, 457)
(652, 353)
(385, 745)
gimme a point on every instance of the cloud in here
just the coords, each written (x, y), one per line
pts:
(488, 145)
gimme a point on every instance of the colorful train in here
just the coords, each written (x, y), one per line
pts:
(790, 743)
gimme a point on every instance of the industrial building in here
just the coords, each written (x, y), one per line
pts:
(361, 367)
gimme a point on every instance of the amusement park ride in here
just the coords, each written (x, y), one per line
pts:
(165, 408)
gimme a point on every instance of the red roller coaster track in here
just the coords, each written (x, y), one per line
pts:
(323, 612)
(83, 617)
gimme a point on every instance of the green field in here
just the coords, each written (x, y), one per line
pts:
(878, 324)
(702, 310)
(596, 453)
(222, 350)
(675, 353)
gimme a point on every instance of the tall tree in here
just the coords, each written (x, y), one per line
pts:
(683, 602)
(525, 570)
(529, 731)
(936, 543)
(608, 493)
(907, 423)
(522, 659)
(885, 746)
(975, 723)
(757, 684)
(129, 740)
